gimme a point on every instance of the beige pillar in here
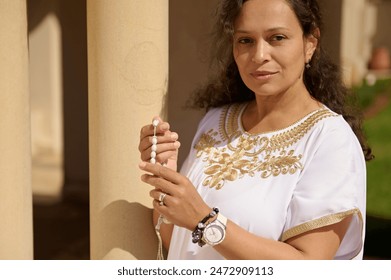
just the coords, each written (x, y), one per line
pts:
(128, 72)
(358, 29)
(16, 230)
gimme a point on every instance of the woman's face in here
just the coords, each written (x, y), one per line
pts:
(269, 47)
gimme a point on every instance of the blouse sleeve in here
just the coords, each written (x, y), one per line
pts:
(331, 187)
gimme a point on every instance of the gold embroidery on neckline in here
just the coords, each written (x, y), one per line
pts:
(240, 156)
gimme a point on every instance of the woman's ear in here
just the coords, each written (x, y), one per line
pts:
(311, 44)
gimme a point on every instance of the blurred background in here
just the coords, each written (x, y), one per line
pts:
(356, 36)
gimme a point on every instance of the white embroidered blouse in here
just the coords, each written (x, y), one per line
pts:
(277, 184)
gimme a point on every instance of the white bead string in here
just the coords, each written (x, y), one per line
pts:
(155, 123)
(160, 220)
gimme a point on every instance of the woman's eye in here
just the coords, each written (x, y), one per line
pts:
(245, 41)
(278, 38)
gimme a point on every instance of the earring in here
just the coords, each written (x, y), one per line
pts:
(308, 65)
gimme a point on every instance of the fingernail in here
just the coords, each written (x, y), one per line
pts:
(142, 164)
(164, 126)
(177, 144)
(174, 136)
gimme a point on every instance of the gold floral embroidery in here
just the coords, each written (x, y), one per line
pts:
(284, 163)
(240, 156)
(206, 142)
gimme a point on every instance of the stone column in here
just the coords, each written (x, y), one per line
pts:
(358, 29)
(16, 229)
(128, 73)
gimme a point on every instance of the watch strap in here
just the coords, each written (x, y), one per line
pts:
(222, 220)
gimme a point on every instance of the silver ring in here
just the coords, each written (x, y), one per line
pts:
(161, 198)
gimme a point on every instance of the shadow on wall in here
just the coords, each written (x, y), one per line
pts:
(126, 233)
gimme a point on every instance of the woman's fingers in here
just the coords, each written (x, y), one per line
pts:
(182, 205)
(163, 172)
(167, 137)
(161, 197)
(160, 184)
(163, 152)
(148, 130)
(164, 146)
(163, 157)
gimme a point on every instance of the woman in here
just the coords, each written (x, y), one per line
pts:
(277, 151)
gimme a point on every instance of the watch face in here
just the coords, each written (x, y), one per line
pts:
(213, 234)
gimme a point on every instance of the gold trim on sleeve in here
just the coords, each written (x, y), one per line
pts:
(318, 223)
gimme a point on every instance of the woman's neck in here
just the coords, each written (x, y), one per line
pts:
(277, 112)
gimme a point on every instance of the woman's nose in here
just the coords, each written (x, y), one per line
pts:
(261, 52)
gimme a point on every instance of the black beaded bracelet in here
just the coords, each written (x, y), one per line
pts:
(199, 230)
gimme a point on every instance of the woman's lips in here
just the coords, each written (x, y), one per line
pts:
(263, 75)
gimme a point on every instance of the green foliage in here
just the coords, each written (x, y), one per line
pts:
(378, 130)
(366, 93)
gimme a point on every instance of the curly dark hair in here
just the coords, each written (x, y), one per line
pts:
(323, 79)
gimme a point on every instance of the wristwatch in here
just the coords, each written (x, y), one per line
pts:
(214, 232)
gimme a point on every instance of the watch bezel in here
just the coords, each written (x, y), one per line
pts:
(215, 224)
(209, 228)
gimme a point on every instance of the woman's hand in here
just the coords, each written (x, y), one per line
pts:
(182, 205)
(167, 144)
